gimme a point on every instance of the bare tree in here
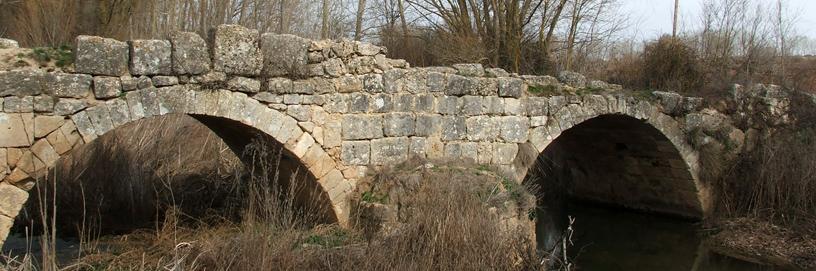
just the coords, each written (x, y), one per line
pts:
(358, 23)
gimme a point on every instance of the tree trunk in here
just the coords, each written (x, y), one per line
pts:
(324, 29)
(358, 23)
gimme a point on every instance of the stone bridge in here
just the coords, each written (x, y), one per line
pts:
(342, 108)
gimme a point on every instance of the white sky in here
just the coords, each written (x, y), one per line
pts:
(652, 18)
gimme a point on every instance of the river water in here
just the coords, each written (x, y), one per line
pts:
(612, 239)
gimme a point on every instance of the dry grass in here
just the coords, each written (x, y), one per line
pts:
(260, 220)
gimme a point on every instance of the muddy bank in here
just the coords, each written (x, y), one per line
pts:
(762, 242)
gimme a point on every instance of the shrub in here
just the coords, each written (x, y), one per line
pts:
(670, 64)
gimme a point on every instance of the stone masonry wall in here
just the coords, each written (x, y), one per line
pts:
(341, 107)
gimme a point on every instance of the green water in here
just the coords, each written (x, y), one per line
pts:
(611, 240)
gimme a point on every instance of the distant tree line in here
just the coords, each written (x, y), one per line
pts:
(732, 41)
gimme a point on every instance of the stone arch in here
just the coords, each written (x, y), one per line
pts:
(606, 124)
(212, 106)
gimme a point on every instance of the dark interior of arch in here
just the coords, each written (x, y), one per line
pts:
(202, 166)
(615, 160)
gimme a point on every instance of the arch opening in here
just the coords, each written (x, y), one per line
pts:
(202, 167)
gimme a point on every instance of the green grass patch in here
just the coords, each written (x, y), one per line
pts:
(62, 56)
(548, 90)
(371, 197)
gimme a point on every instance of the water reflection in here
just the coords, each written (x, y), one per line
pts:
(611, 240)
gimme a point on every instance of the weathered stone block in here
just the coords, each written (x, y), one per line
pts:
(514, 129)
(14, 104)
(504, 153)
(459, 86)
(44, 104)
(537, 106)
(191, 54)
(355, 152)
(462, 151)
(67, 85)
(22, 82)
(381, 103)
(337, 103)
(425, 103)
(165, 81)
(496, 72)
(368, 49)
(513, 106)
(473, 105)
(101, 56)
(235, 50)
(100, 117)
(417, 148)
(482, 128)
(13, 199)
(8, 44)
(65, 107)
(347, 84)
(428, 124)
(283, 54)
(359, 103)
(356, 127)
(107, 87)
(449, 105)
(436, 81)
(43, 151)
(399, 124)
(495, 105)
(572, 79)
(453, 128)
(43, 125)
(511, 87)
(150, 57)
(16, 130)
(372, 83)
(389, 151)
(469, 69)
(243, 84)
(299, 112)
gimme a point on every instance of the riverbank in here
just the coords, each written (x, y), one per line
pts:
(765, 243)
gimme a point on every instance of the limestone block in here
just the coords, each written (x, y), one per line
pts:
(337, 103)
(347, 84)
(514, 107)
(355, 152)
(119, 112)
(243, 84)
(334, 67)
(555, 103)
(459, 86)
(473, 105)
(425, 103)
(494, 104)
(7, 44)
(356, 127)
(504, 153)
(129, 83)
(462, 151)
(359, 102)
(393, 80)
(100, 117)
(14, 104)
(235, 50)
(44, 104)
(381, 103)
(671, 103)
(283, 54)
(368, 49)
(332, 134)
(417, 148)
(449, 105)
(107, 87)
(469, 69)
(453, 128)
(16, 130)
(511, 87)
(514, 129)
(428, 124)
(144, 82)
(404, 102)
(389, 151)
(13, 199)
(22, 82)
(538, 121)
(482, 128)
(343, 48)
(434, 148)
(299, 112)
(540, 137)
(84, 126)
(190, 53)
(372, 83)
(165, 81)
(45, 152)
(399, 124)
(43, 125)
(572, 79)
(60, 143)
(150, 57)
(292, 99)
(536, 106)
(485, 150)
(496, 72)
(436, 81)
(101, 56)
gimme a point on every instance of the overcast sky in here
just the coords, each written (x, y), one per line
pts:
(651, 18)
